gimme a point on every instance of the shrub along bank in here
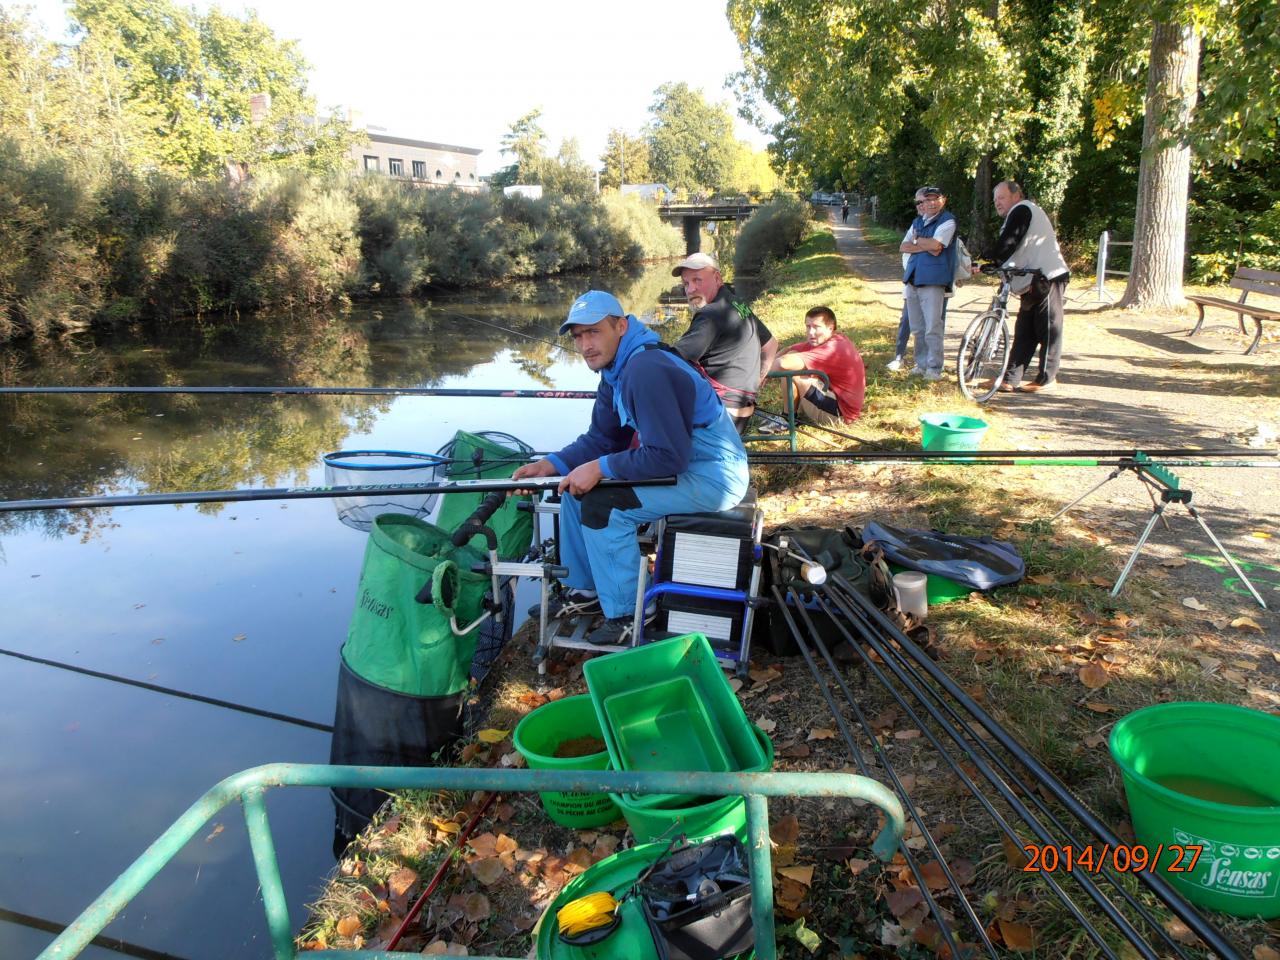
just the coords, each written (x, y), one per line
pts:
(81, 246)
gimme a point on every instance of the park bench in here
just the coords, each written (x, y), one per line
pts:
(1247, 280)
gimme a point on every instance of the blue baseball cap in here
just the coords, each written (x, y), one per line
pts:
(590, 308)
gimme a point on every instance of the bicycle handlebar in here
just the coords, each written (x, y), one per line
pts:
(990, 269)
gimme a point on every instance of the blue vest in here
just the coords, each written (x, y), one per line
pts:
(926, 270)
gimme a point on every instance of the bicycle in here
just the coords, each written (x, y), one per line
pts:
(984, 348)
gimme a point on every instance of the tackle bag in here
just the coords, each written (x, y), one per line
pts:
(697, 900)
(980, 563)
(487, 456)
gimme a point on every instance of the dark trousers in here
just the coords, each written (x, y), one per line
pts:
(1039, 324)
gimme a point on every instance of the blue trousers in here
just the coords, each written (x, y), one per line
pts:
(598, 531)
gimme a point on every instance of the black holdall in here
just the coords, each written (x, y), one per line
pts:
(697, 900)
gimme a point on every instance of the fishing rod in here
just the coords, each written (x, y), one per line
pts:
(969, 455)
(828, 459)
(170, 691)
(546, 394)
(310, 493)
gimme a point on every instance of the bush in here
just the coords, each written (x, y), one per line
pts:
(771, 233)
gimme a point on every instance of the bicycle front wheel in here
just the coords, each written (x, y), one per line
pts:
(983, 357)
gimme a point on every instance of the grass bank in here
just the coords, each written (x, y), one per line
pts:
(1055, 659)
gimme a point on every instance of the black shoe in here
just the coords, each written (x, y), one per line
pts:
(615, 631)
(568, 605)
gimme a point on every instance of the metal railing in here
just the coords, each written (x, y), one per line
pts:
(250, 787)
(1105, 243)
(789, 404)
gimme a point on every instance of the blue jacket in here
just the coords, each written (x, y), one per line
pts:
(651, 391)
(927, 269)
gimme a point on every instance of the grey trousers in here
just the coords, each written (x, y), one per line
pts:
(924, 308)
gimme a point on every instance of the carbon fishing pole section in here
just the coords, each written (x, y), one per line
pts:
(1000, 774)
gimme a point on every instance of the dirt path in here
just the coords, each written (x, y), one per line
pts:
(1134, 380)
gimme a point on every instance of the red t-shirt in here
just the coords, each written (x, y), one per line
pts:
(839, 359)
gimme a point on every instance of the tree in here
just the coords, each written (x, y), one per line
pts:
(523, 141)
(624, 156)
(1160, 227)
(187, 81)
(751, 171)
(691, 142)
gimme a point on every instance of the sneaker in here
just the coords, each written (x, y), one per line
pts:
(916, 372)
(1034, 387)
(615, 631)
(770, 426)
(895, 364)
(569, 604)
(933, 375)
(1005, 387)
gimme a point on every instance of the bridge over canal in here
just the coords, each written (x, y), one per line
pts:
(691, 216)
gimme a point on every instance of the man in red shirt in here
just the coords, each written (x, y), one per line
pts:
(832, 353)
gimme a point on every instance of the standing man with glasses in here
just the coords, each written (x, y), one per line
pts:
(931, 264)
(1027, 240)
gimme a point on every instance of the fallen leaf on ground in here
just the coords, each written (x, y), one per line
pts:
(856, 866)
(1100, 707)
(1246, 623)
(1174, 562)
(820, 733)
(735, 684)
(785, 830)
(1017, 936)
(793, 751)
(484, 846)
(1180, 931)
(491, 735)
(1094, 676)
(933, 875)
(1014, 854)
(1193, 603)
(400, 881)
(349, 925)
(1263, 952)
(764, 675)
(906, 734)
(439, 948)
(487, 871)
(902, 902)
(476, 907)
(768, 726)
(800, 874)
(789, 893)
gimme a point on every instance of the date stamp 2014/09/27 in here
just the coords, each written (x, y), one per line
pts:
(1122, 858)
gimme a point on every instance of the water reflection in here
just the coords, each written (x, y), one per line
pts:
(93, 445)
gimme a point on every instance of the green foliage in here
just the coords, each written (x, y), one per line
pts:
(633, 217)
(624, 154)
(185, 82)
(770, 234)
(691, 141)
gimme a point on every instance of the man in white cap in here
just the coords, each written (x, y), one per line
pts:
(647, 391)
(725, 340)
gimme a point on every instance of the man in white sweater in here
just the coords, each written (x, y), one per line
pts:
(1027, 241)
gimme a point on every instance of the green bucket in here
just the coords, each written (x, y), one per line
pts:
(697, 822)
(939, 589)
(538, 736)
(1175, 755)
(950, 431)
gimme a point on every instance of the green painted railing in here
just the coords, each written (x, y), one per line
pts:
(250, 786)
(789, 404)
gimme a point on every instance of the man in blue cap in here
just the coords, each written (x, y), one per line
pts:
(647, 391)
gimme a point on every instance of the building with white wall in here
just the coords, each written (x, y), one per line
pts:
(421, 162)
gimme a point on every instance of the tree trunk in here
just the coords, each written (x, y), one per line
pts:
(1160, 227)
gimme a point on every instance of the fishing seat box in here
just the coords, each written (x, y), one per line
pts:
(717, 549)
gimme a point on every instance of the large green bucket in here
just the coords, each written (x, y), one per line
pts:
(1233, 754)
(721, 815)
(538, 736)
(950, 431)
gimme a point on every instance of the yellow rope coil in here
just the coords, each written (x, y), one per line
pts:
(586, 913)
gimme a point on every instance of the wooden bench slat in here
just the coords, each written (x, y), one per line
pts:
(1235, 305)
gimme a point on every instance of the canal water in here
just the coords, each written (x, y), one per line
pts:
(241, 602)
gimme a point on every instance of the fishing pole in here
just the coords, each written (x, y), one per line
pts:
(1131, 453)
(546, 394)
(310, 493)
(171, 691)
(820, 460)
